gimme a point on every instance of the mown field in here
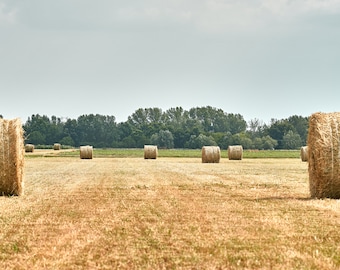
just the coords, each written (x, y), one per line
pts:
(124, 212)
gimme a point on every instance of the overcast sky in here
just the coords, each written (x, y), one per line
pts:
(261, 58)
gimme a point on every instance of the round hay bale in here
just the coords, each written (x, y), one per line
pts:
(57, 146)
(324, 155)
(235, 152)
(11, 157)
(86, 152)
(29, 148)
(304, 153)
(150, 151)
(211, 154)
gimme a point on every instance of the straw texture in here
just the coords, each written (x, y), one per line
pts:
(29, 148)
(211, 154)
(235, 152)
(57, 146)
(324, 155)
(304, 153)
(86, 152)
(11, 157)
(150, 151)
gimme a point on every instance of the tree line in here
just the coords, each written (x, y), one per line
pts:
(173, 128)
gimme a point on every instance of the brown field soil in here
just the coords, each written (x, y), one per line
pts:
(168, 213)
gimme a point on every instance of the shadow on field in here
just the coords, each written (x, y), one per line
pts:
(278, 198)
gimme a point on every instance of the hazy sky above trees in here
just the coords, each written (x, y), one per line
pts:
(261, 58)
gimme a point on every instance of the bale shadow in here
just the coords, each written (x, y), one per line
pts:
(281, 198)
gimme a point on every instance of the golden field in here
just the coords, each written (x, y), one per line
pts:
(168, 213)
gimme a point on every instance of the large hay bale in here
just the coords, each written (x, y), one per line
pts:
(150, 151)
(57, 146)
(11, 157)
(324, 155)
(86, 152)
(304, 153)
(29, 148)
(211, 154)
(235, 152)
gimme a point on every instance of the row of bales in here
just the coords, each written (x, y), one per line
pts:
(86, 151)
(322, 154)
(29, 148)
(210, 154)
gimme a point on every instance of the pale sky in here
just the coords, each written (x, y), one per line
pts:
(260, 58)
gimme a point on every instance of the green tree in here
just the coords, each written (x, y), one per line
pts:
(242, 139)
(300, 125)
(181, 136)
(149, 120)
(199, 141)
(236, 123)
(204, 116)
(278, 129)
(175, 120)
(175, 117)
(67, 141)
(163, 139)
(255, 127)
(216, 120)
(268, 143)
(55, 130)
(36, 137)
(124, 139)
(219, 138)
(97, 130)
(291, 140)
(70, 130)
(258, 143)
(227, 140)
(49, 130)
(139, 138)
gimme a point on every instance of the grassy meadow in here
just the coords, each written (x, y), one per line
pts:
(119, 211)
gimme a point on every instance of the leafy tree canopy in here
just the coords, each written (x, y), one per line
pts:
(174, 127)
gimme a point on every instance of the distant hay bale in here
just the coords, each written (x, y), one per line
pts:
(304, 153)
(324, 155)
(150, 151)
(86, 152)
(11, 157)
(211, 154)
(57, 146)
(235, 152)
(29, 148)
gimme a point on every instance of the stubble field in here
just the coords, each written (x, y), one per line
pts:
(168, 213)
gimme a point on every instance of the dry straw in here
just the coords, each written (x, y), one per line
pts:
(235, 152)
(304, 153)
(150, 151)
(323, 155)
(29, 148)
(86, 152)
(57, 146)
(211, 154)
(11, 157)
